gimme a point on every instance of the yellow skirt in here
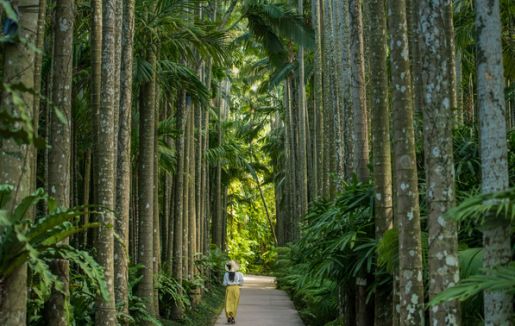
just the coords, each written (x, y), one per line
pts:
(232, 299)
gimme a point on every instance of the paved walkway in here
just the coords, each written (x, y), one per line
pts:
(261, 304)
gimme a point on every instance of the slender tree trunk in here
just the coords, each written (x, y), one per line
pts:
(438, 122)
(192, 218)
(198, 172)
(146, 187)
(414, 56)
(360, 132)
(96, 71)
(328, 104)
(185, 193)
(105, 147)
(123, 178)
(341, 58)
(359, 102)
(176, 263)
(302, 129)
(86, 193)
(60, 138)
(156, 232)
(452, 63)
(315, 107)
(15, 166)
(382, 164)
(498, 305)
(407, 213)
(347, 124)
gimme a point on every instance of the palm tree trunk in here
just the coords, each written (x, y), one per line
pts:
(438, 123)
(105, 147)
(86, 193)
(15, 167)
(498, 305)
(452, 62)
(156, 232)
(382, 164)
(359, 102)
(123, 178)
(146, 187)
(60, 138)
(185, 194)
(176, 263)
(192, 217)
(407, 214)
(302, 130)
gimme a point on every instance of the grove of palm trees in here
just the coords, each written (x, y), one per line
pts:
(361, 152)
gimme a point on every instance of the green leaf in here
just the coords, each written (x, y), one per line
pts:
(9, 10)
(5, 194)
(27, 203)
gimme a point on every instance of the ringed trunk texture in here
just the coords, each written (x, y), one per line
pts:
(146, 188)
(105, 147)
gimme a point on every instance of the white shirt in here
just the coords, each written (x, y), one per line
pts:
(238, 279)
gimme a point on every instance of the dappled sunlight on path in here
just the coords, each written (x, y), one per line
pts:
(261, 304)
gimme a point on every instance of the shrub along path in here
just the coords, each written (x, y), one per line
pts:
(261, 304)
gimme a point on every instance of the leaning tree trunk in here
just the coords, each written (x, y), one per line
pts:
(407, 215)
(382, 162)
(105, 156)
(146, 187)
(434, 46)
(15, 167)
(498, 305)
(123, 177)
(59, 154)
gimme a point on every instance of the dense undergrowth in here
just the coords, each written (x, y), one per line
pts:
(337, 247)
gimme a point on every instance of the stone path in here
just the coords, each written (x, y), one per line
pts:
(261, 304)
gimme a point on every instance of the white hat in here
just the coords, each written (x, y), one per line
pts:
(234, 266)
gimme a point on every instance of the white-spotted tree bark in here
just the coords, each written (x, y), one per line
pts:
(434, 47)
(498, 305)
(407, 215)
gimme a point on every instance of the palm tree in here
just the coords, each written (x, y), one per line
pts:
(302, 127)
(380, 131)
(434, 47)
(18, 67)
(146, 186)
(359, 102)
(407, 215)
(123, 176)
(105, 154)
(494, 166)
(59, 169)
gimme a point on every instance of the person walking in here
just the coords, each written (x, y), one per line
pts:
(232, 282)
